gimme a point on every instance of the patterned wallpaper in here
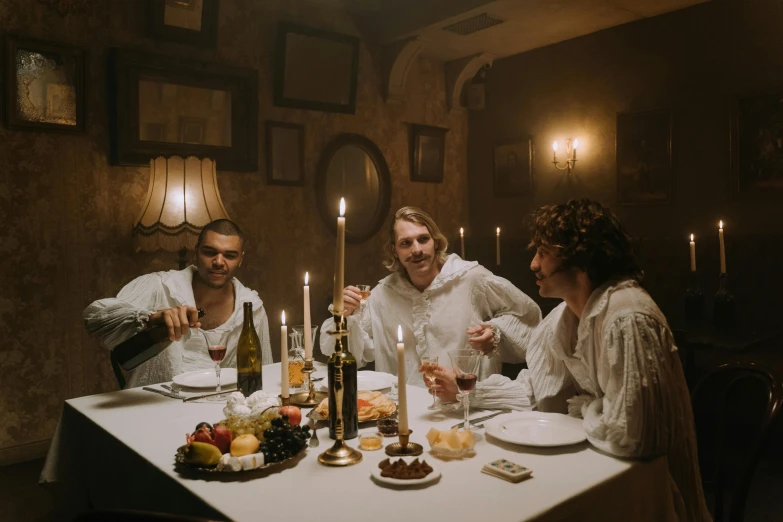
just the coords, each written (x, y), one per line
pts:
(67, 213)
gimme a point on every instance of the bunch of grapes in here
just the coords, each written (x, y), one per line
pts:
(255, 424)
(282, 441)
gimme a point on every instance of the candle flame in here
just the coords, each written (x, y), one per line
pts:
(576, 144)
(307, 277)
(691, 238)
(461, 231)
(498, 230)
(554, 146)
(720, 224)
(283, 318)
(399, 333)
(342, 207)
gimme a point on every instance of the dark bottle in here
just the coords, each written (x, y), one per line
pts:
(143, 346)
(249, 356)
(347, 362)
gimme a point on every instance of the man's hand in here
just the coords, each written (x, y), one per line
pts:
(351, 299)
(178, 320)
(445, 386)
(483, 338)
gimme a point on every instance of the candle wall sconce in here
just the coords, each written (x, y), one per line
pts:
(570, 162)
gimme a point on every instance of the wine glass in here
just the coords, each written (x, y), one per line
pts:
(429, 365)
(217, 352)
(364, 291)
(466, 364)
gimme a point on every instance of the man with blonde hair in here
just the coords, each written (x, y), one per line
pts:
(442, 302)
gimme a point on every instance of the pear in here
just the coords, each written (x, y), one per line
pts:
(202, 454)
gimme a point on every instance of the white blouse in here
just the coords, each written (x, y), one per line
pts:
(114, 320)
(435, 320)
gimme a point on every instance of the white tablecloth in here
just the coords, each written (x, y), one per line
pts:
(120, 446)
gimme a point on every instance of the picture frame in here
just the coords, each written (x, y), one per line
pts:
(513, 169)
(284, 153)
(756, 147)
(315, 69)
(45, 89)
(190, 22)
(645, 158)
(428, 152)
(165, 106)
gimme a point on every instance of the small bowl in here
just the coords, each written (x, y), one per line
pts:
(388, 427)
(371, 441)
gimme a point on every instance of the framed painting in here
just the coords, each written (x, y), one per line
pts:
(513, 169)
(164, 106)
(428, 150)
(757, 147)
(192, 22)
(284, 153)
(316, 69)
(45, 86)
(645, 166)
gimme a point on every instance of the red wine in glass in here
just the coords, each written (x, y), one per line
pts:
(466, 382)
(217, 353)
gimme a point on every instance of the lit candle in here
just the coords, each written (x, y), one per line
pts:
(339, 261)
(722, 249)
(497, 247)
(308, 338)
(402, 406)
(693, 255)
(462, 241)
(554, 152)
(283, 359)
(573, 154)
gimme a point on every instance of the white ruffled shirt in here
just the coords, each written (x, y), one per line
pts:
(434, 321)
(114, 320)
(621, 362)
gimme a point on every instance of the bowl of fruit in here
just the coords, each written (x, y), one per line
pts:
(243, 443)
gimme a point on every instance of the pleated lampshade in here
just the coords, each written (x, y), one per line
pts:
(182, 199)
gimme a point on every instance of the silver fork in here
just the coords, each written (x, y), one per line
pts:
(169, 388)
(313, 443)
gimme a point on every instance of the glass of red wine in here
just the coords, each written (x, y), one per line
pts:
(217, 352)
(465, 364)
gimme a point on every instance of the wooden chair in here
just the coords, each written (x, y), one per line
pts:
(734, 406)
(122, 515)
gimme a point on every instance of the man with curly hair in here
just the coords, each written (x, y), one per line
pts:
(442, 302)
(606, 353)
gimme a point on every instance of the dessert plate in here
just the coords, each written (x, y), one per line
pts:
(433, 477)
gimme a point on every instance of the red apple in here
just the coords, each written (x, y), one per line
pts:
(223, 437)
(294, 414)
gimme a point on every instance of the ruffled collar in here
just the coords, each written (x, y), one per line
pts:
(598, 300)
(454, 268)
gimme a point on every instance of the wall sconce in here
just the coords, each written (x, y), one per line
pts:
(182, 199)
(570, 155)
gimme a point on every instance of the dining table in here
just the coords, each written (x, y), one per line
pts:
(117, 451)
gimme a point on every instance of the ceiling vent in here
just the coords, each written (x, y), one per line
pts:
(473, 25)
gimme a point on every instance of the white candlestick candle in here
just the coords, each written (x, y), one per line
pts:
(497, 247)
(283, 359)
(402, 394)
(339, 261)
(462, 241)
(308, 337)
(693, 254)
(722, 249)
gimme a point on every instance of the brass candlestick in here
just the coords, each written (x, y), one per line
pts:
(340, 454)
(309, 398)
(404, 448)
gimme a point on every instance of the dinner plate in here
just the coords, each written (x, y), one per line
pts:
(433, 477)
(535, 428)
(206, 378)
(367, 380)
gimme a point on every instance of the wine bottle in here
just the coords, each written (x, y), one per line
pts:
(249, 375)
(143, 346)
(345, 361)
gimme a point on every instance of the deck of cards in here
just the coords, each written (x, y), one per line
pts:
(507, 470)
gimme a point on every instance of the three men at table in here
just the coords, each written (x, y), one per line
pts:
(172, 298)
(433, 295)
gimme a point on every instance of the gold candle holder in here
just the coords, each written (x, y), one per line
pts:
(284, 401)
(309, 398)
(404, 448)
(340, 454)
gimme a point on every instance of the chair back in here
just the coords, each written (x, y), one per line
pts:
(734, 406)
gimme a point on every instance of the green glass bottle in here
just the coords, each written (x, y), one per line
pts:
(345, 361)
(249, 375)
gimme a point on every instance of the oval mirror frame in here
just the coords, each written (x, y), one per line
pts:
(384, 185)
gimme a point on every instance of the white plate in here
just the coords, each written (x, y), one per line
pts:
(367, 380)
(375, 473)
(535, 428)
(206, 378)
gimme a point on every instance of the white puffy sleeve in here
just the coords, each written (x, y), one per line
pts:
(551, 381)
(512, 314)
(633, 418)
(360, 342)
(114, 320)
(499, 392)
(261, 323)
